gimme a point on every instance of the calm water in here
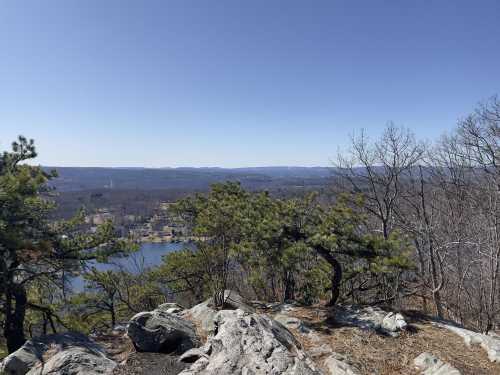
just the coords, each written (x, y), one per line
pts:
(149, 254)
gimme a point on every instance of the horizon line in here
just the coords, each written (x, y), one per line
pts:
(188, 167)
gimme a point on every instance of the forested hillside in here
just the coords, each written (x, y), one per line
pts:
(188, 179)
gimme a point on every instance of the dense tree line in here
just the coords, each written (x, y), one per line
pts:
(444, 196)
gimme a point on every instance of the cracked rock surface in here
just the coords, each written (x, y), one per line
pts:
(250, 344)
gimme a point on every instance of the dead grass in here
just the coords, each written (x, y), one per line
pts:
(373, 353)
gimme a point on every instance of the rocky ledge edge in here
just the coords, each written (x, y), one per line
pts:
(239, 340)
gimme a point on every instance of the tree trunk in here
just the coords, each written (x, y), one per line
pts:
(14, 319)
(436, 284)
(289, 286)
(113, 317)
(337, 272)
(336, 280)
(45, 324)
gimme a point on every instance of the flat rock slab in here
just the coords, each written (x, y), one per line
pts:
(490, 344)
(291, 322)
(429, 364)
(370, 318)
(279, 307)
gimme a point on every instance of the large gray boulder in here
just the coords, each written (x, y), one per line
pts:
(74, 361)
(246, 343)
(67, 353)
(161, 332)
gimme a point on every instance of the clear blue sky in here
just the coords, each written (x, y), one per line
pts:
(233, 83)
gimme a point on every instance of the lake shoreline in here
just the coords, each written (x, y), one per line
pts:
(149, 254)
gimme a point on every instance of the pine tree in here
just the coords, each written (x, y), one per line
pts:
(33, 248)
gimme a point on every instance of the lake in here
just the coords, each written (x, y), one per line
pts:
(148, 255)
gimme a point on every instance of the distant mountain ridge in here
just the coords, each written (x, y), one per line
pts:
(271, 171)
(189, 178)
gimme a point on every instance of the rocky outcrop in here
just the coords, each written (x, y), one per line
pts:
(74, 361)
(204, 313)
(429, 364)
(247, 343)
(233, 301)
(67, 353)
(161, 332)
(490, 344)
(371, 318)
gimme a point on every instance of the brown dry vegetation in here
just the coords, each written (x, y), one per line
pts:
(373, 353)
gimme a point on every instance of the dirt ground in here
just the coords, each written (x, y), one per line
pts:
(372, 353)
(150, 364)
